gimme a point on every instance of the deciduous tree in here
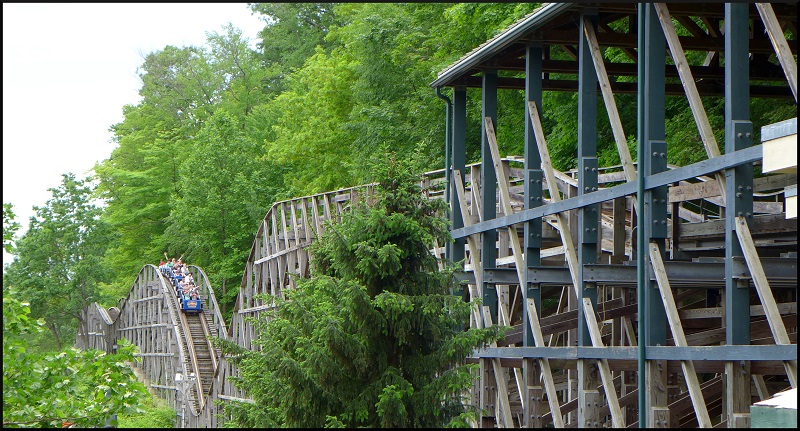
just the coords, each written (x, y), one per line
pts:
(58, 267)
(84, 388)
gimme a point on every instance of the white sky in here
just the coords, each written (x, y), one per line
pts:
(68, 69)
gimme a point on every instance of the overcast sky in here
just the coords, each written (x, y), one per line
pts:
(68, 69)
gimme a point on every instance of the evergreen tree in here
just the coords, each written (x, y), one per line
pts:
(374, 337)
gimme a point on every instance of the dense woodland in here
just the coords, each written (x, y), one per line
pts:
(222, 131)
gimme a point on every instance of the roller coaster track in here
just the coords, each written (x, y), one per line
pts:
(172, 343)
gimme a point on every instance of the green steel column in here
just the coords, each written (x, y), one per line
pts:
(459, 153)
(534, 395)
(654, 221)
(654, 214)
(587, 218)
(587, 175)
(738, 201)
(533, 182)
(447, 163)
(739, 180)
(488, 187)
(641, 271)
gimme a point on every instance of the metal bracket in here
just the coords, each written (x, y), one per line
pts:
(533, 193)
(587, 183)
(656, 199)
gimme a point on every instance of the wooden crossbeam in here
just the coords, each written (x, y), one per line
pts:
(782, 50)
(608, 98)
(569, 248)
(502, 383)
(519, 263)
(674, 320)
(315, 215)
(472, 243)
(765, 293)
(617, 418)
(761, 386)
(685, 73)
(544, 363)
(505, 200)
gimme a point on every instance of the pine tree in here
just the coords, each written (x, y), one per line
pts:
(374, 337)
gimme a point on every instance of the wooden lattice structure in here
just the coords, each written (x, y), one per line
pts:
(647, 323)
(618, 317)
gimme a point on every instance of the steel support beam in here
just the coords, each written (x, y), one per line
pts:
(738, 201)
(652, 158)
(459, 152)
(533, 390)
(697, 274)
(588, 396)
(704, 167)
(587, 174)
(488, 184)
(533, 181)
(774, 352)
(739, 179)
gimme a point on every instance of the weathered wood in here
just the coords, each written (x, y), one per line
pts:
(569, 246)
(547, 375)
(685, 73)
(617, 418)
(716, 312)
(474, 255)
(782, 50)
(506, 203)
(608, 98)
(502, 383)
(761, 386)
(761, 225)
(677, 333)
(764, 292)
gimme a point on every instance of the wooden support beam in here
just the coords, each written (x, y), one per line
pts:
(678, 335)
(765, 293)
(472, 243)
(782, 50)
(617, 418)
(569, 247)
(699, 112)
(502, 383)
(505, 201)
(608, 98)
(547, 374)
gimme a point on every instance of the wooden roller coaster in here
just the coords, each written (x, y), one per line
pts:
(642, 294)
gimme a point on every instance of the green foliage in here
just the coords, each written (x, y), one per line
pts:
(188, 156)
(10, 227)
(45, 390)
(224, 185)
(374, 337)
(153, 413)
(292, 33)
(312, 125)
(59, 269)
